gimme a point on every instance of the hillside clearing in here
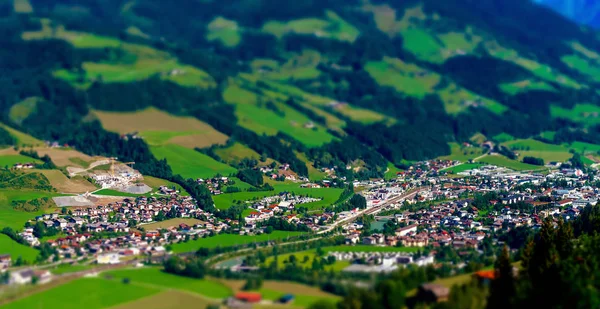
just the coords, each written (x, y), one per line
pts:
(230, 240)
(190, 163)
(16, 250)
(64, 184)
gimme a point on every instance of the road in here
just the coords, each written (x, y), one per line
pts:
(373, 210)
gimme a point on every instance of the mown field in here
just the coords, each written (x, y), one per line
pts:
(461, 153)
(16, 250)
(156, 183)
(10, 160)
(524, 86)
(64, 184)
(333, 27)
(586, 114)
(406, 78)
(503, 161)
(236, 152)
(329, 195)
(534, 148)
(190, 163)
(229, 240)
(224, 30)
(265, 115)
(22, 138)
(9, 217)
(160, 128)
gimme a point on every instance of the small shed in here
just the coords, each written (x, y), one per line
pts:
(248, 297)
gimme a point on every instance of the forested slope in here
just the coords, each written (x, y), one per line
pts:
(333, 82)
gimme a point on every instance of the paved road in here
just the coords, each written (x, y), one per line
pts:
(373, 210)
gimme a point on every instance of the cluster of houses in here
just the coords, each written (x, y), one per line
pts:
(215, 184)
(19, 166)
(281, 204)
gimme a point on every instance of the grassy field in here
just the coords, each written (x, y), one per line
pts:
(457, 99)
(22, 6)
(503, 137)
(462, 167)
(236, 152)
(23, 109)
(138, 62)
(587, 114)
(9, 217)
(333, 27)
(169, 299)
(156, 183)
(534, 148)
(313, 173)
(283, 259)
(224, 30)
(583, 65)
(160, 128)
(229, 240)
(525, 85)
(190, 163)
(16, 250)
(404, 77)
(170, 223)
(392, 171)
(90, 293)
(254, 113)
(154, 276)
(64, 184)
(10, 160)
(66, 157)
(70, 268)
(582, 147)
(329, 195)
(422, 44)
(463, 154)
(302, 65)
(503, 161)
(22, 138)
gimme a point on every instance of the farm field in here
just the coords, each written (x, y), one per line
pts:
(503, 161)
(68, 268)
(190, 163)
(16, 250)
(283, 259)
(91, 293)
(463, 154)
(111, 192)
(22, 138)
(503, 137)
(404, 77)
(333, 27)
(533, 145)
(583, 65)
(422, 44)
(138, 62)
(313, 172)
(64, 184)
(154, 276)
(20, 111)
(159, 128)
(224, 30)
(525, 85)
(273, 117)
(586, 114)
(169, 299)
(15, 219)
(298, 66)
(236, 152)
(170, 223)
(229, 240)
(582, 147)
(329, 195)
(10, 160)
(156, 183)
(457, 99)
(67, 157)
(462, 167)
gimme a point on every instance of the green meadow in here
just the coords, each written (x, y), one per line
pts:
(503, 161)
(422, 44)
(523, 86)
(462, 167)
(503, 137)
(329, 196)
(10, 160)
(586, 114)
(582, 147)
(461, 153)
(236, 152)
(154, 276)
(224, 30)
(190, 163)
(404, 77)
(534, 148)
(583, 65)
(270, 117)
(22, 138)
(229, 240)
(90, 293)
(15, 219)
(16, 250)
(333, 27)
